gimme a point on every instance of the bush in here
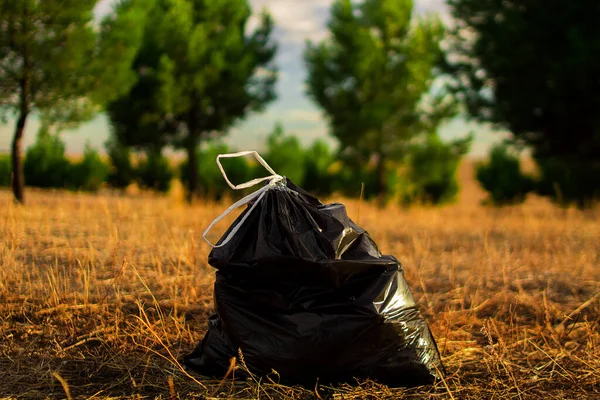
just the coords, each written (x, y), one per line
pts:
(210, 181)
(154, 172)
(5, 169)
(431, 173)
(317, 161)
(122, 173)
(45, 164)
(570, 181)
(90, 173)
(350, 179)
(502, 178)
(350, 171)
(285, 155)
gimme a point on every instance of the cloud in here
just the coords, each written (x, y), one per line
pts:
(302, 115)
(291, 117)
(439, 7)
(297, 21)
(425, 6)
(103, 7)
(243, 138)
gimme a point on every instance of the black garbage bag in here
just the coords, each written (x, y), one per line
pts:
(302, 290)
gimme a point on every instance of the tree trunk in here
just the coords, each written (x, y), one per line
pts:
(18, 180)
(381, 180)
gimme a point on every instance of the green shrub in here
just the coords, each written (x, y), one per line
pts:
(45, 164)
(349, 179)
(90, 173)
(317, 161)
(122, 172)
(5, 169)
(572, 181)
(154, 172)
(502, 178)
(350, 172)
(210, 180)
(432, 167)
(285, 155)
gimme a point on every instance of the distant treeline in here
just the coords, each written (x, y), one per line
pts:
(428, 173)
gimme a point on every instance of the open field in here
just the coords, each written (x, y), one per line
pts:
(99, 295)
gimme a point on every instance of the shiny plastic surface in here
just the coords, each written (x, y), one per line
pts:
(302, 290)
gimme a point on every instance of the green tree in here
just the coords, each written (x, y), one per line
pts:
(285, 155)
(502, 177)
(531, 67)
(200, 72)
(318, 158)
(4, 170)
(121, 172)
(212, 185)
(154, 171)
(353, 175)
(432, 168)
(46, 164)
(373, 76)
(55, 62)
(90, 173)
(569, 180)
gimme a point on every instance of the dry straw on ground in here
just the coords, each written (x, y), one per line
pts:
(101, 295)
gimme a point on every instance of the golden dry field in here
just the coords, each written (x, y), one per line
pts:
(100, 295)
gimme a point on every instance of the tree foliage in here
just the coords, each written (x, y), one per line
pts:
(372, 78)
(46, 164)
(531, 67)
(432, 168)
(569, 180)
(199, 72)
(212, 184)
(121, 172)
(285, 155)
(55, 62)
(154, 172)
(5, 172)
(318, 159)
(90, 173)
(502, 177)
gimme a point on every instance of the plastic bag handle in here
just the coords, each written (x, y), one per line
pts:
(253, 181)
(273, 179)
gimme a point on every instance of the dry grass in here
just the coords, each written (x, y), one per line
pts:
(100, 295)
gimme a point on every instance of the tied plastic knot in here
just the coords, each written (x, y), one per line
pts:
(274, 180)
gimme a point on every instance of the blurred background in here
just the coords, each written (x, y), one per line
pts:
(388, 98)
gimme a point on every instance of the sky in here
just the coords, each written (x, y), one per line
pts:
(296, 21)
